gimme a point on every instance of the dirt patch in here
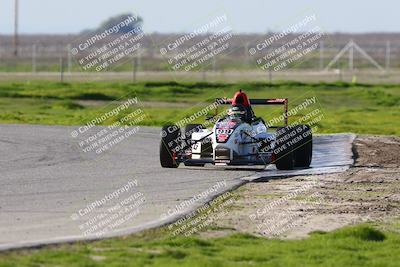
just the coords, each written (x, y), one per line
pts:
(294, 207)
(378, 151)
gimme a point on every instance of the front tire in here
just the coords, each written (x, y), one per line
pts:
(169, 146)
(285, 159)
(303, 150)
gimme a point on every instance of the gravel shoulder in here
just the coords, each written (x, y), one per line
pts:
(291, 208)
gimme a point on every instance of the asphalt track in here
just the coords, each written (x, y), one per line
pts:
(47, 183)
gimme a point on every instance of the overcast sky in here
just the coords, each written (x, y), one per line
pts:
(72, 16)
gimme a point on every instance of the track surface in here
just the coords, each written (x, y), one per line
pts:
(46, 179)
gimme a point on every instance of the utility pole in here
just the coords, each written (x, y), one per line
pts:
(16, 28)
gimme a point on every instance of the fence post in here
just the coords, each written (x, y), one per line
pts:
(387, 61)
(269, 75)
(214, 64)
(139, 58)
(34, 58)
(69, 63)
(134, 69)
(321, 55)
(61, 69)
(246, 54)
(351, 58)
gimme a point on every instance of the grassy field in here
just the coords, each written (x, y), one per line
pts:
(353, 246)
(347, 107)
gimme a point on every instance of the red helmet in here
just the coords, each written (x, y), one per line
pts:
(240, 99)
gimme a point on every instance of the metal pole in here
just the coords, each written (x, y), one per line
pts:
(351, 53)
(387, 61)
(270, 75)
(246, 53)
(139, 59)
(69, 66)
(134, 69)
(34, 58)
(16, 27)
(214, 64)
(61, 70)
(321, 55)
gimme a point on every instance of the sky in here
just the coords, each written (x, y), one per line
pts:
(250, 16)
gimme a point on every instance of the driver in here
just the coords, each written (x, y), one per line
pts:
(241, 101)
(238, 112)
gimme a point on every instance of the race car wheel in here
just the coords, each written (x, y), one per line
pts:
(303, 147)
(169, 145)
(284, 155)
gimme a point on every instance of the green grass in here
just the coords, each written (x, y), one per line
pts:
(353, 246)
(359, 108)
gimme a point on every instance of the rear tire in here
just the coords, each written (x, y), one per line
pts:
(283, 151)
(303, 149)
(169, 145)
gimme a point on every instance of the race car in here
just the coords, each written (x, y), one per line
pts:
(238, 137)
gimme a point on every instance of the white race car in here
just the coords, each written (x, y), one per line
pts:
(238, 138)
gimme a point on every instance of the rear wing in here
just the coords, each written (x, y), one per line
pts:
(267, 102)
